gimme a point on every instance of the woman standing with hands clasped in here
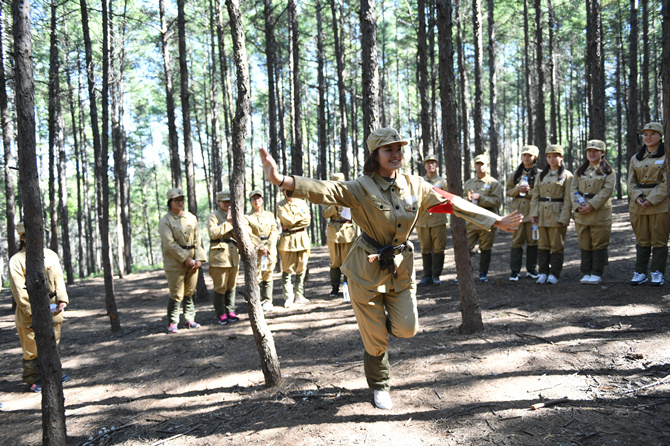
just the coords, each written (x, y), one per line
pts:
(550, 209)
(380, 266)
(648, 192)
(591, 193)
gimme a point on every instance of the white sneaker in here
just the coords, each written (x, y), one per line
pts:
(383, 399)
(586, 279)
(552, 279)
(657, 278)
(638, 279)
(288, 303)
(542, 278)
(267, 306)
(595, 280)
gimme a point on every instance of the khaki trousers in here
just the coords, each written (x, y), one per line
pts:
(433, 240)
(593, 238)
(182, 283)
(224, 278)
(338, 252)
(651, 230)
(294, 261)
(523, 236)
(552, 238)
(485, 238)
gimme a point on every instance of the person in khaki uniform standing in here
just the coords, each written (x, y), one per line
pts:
(432, 230)
(550, 207)
(264, 235)
(294, 218)
(183, 255)
(648, 192)
(519, 186)
(486, 192)
(340, 235)
(591, 193)
(224, 259)
(23, 317)
(380, 266)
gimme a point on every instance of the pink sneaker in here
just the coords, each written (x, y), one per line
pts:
(223, 319)
(192, 324)
(232, 317)
(172, 328)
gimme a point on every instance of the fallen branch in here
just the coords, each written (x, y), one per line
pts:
(549, 403)
(175, 436)
(356, 364)
(106, 432)
(526, 335)
(659, 382)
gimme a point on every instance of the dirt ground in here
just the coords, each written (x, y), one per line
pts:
(605, 349)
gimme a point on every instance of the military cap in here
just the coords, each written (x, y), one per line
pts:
(595, 144)
(224, 195)
(382, 137)
(655, 126)
(255, 192)
(174, 193)
(554, 148)
(530, 149)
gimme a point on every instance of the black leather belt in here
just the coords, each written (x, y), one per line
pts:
(340, 221)
(589, 195)
(385, 253)
(646, 185)
(264, 237)
(286, 232)
(187, 246)
(226, 240)
(551, 200)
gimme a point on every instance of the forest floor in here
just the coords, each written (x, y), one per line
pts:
(606, 349)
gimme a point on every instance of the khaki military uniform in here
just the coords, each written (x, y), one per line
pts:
(224, 261)
(648, 177)
(24, 314)
(490, 198)
(387, 212)
(524, 235)
(340, 234)
(551, 204)
(294, 218)
(263, 233)
(432, 231)
(180, 237)
(593, 229)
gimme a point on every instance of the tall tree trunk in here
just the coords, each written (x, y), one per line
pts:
(89, 211)
(554, 119)
(464, 96)
(595, 62)
(322, 137)
(540, 120)
(493, 92)
(619, 111)
(424, 93)
(633, 109)
(296, 93)
(370, 67)
(645, 102)
(479, 81)
(9, 166)
(216, 168)
(225, 81)
(341, 88)
(53, 130)
(101, 164)
(53, 404)
(173, 138)
(270, 54)
(665, 68)
(262, 333)
(472, 315)
(526, 64)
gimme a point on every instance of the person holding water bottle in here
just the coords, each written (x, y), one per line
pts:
(264, 234)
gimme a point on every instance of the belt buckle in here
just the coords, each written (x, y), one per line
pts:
(548, 199)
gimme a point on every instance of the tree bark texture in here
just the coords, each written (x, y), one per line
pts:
(479, 80)
(424, 93)
(472, 316)
(345, 167)
(296, 93)
(529, 84)
(553, 114)
(645, 102)
(493, 92)
(270, 54)
(633, 109)
(665, 70)
(540, 119)
(262, 333)
(370, 67)
(464, 96)
(595, 70)
(53, 404)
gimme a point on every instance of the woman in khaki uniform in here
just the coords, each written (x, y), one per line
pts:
(264, 234)
(648, 192)
(24, 316)
(550, 208)
(593, 182)
(486, 192)
(340, 235)
(224, 259)
(380, 266)
(519, 186)
(183, 255)
(432, 230)
(294, 218)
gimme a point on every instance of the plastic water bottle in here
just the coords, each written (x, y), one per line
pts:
(264, 263)
(580, 199)
(535, 231)
(345, 292)
(523, 182)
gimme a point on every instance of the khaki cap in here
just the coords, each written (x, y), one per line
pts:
(554, 148)
(430, 157)
(20, 228)
(255, 192)
(224, 195)
(381, 137)
(337, 177)
(530, 149)
(482, 159)
(655, 126)
(595, 144)
(174, 193)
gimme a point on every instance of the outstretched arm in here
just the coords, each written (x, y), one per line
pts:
(271, 172)
(510, 222)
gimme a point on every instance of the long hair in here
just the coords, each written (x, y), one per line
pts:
(561, 172)
(659, 153)
(532, 173)
(603, 168)
(371, 163)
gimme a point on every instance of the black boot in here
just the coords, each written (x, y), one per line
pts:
(427, 269)
(335, 282)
